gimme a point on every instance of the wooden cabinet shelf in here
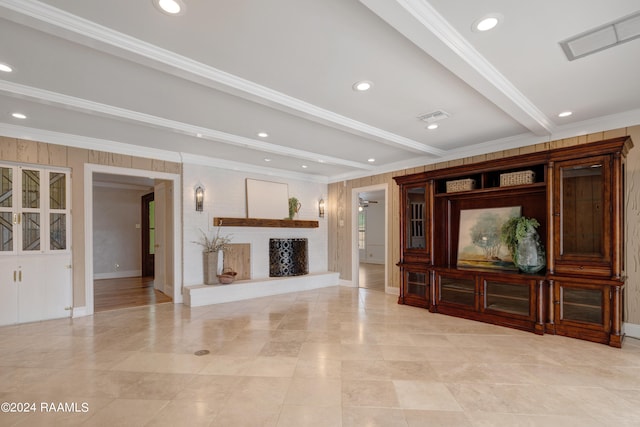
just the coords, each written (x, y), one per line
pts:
(262, 222)
(577, 196)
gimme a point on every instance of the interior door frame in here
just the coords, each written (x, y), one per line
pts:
(175, 252)
(355, 258)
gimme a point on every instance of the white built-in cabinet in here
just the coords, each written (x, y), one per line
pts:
(35, 255)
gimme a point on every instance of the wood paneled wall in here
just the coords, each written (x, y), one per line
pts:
(339, 202)
(40, 153)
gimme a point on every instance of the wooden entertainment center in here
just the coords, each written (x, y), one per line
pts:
(577, 197)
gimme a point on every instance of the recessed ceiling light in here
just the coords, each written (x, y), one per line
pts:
(169, 7)
(19, 116)
(304, 166)
(565, 114)
(362, 86)
(371, 160)
(320, 161)
(266, 159)
(263, 134)
(432, 126)
(487, 22)
(5, 68)
(199, 135)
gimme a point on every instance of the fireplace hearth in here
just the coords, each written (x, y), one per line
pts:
(288, 257)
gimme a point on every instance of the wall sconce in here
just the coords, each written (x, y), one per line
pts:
(199, 198)
(321, 208)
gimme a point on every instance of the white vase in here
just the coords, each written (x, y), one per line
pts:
(211, 266)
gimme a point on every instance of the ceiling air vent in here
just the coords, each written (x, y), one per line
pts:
(603, 37)
(433, 117)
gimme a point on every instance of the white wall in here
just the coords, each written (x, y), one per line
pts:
(374, 241)
(225, 196)
(116, 240)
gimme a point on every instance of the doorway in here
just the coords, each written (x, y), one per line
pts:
(134, 285)
(148, 234)
(369, 264)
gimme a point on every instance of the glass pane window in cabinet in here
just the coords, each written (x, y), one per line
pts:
(6, 232)
(58, 231)
(507, 297)
(416, 238)
(582, 209)
(457, 290)
(30, 231)
(57, 190)
(582, 305)
(30, 189)
(6, 188)
(417, 283)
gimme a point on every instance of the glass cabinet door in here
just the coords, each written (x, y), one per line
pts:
(7, 216)
(30, 210)
(416, 231)
(582, 191)
(34, 210)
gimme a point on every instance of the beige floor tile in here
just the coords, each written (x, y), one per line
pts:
(314, 392)
(310, 416)
(425, 395)
(379, 394)
(334, 356)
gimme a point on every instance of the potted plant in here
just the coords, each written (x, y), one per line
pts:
(294, 207)
(523, 242)
(213, 247)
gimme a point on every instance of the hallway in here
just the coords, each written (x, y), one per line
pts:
(112, 294)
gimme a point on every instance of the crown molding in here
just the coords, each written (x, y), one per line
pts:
(76, 25)
(83, 105)
(78, 141)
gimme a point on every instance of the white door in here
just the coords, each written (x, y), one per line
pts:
(8, 290)
(35, 258)
(160, 198)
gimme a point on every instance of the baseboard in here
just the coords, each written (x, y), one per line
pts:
(79, 312)
(631, 330)
(346, 283)
(118, 274)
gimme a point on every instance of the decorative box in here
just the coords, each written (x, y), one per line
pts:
(517, 178)
(461, 185)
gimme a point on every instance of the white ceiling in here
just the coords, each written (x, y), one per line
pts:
(198, 87)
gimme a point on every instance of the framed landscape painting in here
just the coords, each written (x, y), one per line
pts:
(479, 243)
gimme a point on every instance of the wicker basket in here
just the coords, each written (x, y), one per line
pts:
(461, 185)
(227, 276)
(517, 178)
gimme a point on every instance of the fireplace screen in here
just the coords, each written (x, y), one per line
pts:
(288, 257)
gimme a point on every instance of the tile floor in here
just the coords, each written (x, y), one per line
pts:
(331, 357)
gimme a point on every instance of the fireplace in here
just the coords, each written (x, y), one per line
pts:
(288, 257)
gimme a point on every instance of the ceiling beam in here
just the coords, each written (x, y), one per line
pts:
(421, 23)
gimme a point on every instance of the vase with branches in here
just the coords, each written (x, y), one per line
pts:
(213, 247)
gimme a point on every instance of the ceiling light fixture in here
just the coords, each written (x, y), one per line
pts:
(304, 166)
(19, 116)
(565, 114)
(362, 85)
(603, 37)
(5, 68)
(371, 160)
(263, 134)
(169, 7)
(266, 159)
(432, 126)
(487, 22)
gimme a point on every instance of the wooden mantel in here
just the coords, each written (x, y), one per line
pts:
(263, 222)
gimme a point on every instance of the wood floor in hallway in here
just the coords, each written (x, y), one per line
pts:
(371, 276)
(111, 294)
